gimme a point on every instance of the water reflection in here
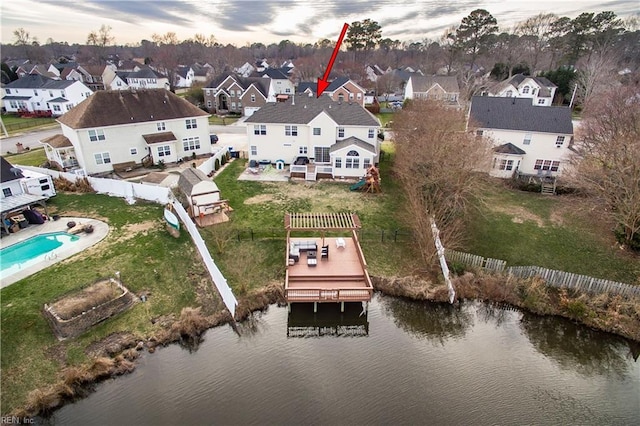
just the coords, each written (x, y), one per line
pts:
(328, 320)
(576, 347)
(435, 321)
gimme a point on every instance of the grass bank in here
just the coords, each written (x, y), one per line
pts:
(33, 157)
(16, 124)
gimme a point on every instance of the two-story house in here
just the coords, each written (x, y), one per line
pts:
(131, 127)
(336, 139)
(526, 138)
(240, 95)
(37, 93)
(147, 78)
(340, 90)
(435, 87)
(539, 90)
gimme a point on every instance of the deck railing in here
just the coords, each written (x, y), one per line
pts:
(309, 294)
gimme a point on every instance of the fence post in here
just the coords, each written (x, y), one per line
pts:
(383, 235)
(251, 230)
(395, 236)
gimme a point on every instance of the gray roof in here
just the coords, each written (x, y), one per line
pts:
(191, 177)
(16, 98)
(146, 73)
(313, 85)
(19, 201)
(116, 107)
(6, 175)
(517, 79)
(37, 81)
(509, 148)
(303, 109)
(58, 100)
(352, 140)
(519, 114)
(423, 83)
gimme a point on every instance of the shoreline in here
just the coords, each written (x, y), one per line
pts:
(116, 354)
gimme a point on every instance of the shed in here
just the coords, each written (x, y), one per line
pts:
(203, 195)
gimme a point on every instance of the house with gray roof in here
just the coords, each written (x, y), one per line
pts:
(341, 89)
(527, 138)
(128, 128)
(315, 136)
(435, 87)
(539, 90)
(35, 93)
(147, 78)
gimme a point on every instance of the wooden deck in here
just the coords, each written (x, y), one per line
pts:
(342, 277)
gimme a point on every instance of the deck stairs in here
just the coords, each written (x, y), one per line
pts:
(311, 172)
(548, 188)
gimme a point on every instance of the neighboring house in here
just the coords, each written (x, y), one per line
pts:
(527, 138)
(133, 127)
(540, 90)
(338, 139)
(37, 93)
(119, 82)
(184, 77)
(279, 84)
(235, 94)
(146, 78)
(437, 87)
(10, 179)
(98, 77)
(245, 70)
(340, 90)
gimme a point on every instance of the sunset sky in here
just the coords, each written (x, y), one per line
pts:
(239, 22)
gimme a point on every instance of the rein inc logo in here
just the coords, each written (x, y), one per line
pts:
(13, 420)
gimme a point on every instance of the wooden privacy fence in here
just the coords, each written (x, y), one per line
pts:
(575, 281)
(552, 277)
(497, 265)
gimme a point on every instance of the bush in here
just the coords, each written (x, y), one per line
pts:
(621, 237)
(216, 164)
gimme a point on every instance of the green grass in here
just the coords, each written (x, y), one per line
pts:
(385, 117)
(15, 124)
(214, 119)
(573, 244)
(33, 157)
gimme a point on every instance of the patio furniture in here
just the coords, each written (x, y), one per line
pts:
(312, 260)
(324, 253)
(340, 242)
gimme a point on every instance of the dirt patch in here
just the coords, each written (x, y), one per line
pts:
(258, 199)
(518, 214)
(133, 229)
(92, 296)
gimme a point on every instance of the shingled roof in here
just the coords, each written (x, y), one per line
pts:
(303, 109)
(423, 83)
(37, 81)
(57, 141)
(7, 171)
(116, 107)
(519, 114)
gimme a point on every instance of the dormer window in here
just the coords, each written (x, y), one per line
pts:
(525, 90)
(340, 97)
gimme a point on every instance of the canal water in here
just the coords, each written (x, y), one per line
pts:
(402, 362)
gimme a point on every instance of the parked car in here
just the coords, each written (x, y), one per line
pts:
(214, 138)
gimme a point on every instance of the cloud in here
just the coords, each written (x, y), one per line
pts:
(247, 15)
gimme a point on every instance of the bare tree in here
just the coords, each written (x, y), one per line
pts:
(24, 39)
(437, 163)
(596, 72)
(608, 166)
(100, 40)
(536, 34)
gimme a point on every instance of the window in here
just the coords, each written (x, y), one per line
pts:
(302, 150)
(366, 163)
(321, 154)
(540, 101)
(372, 133)
(239, 105)
(191, 123)
(341, 132)
(161, 126)
(95, 135)
(359, 96)
(547, 165)
(259, 129)
(351, 96)
(102, 158)
(56, 108)
(232, 93)
(164, 151)
(287, 90)
(505, 164)
(527, 139)
(68, 107)
(340, 97)
(8, 93)
(253, 97)
(337, 163)
(479, 132)
(208, 92)
(233, 105)
(133, 151)
(291, 130)
(316, 131)
(559, 141)
(6, 192)
(209, 105)
(525, 90)
(254, 150)
(352, 161)
(13, 104)
(191, 144)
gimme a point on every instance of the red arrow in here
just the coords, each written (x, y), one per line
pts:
(322, 82)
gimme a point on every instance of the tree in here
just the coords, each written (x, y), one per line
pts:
(168, 55)
(474, 32)
(363, 36)
(24, 39)
(590, 32)
(100, 40)
(536, 35)
(451, 48)
(608, 166)
(436, 163)
(562, 77)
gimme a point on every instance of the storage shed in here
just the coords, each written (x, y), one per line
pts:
(202, 194)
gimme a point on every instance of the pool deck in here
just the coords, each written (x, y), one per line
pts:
(100, 231)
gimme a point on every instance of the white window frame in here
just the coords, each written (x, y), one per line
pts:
(253, 97)
(95, 134)
(372, 133)
(164, 150)
(317, 131)
(302, 150)
(254, 150)
(191, 143)
(290, 130)
(560, 141)
(102, 157)
(340, 132)
(133, 151)
(191, 123)
(161, 126)
(527, 139)
(260, 129)
(337, 163)
(366, 163)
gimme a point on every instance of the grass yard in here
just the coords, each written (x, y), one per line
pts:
(223, 121)
(33, 157)
(15, 124)
(557, 232)
(385, 117)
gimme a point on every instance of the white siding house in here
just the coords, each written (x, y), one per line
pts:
(326, 133)
(528, 139)
(130, 127)
(37, 93)
(438, 88)
(539, 90)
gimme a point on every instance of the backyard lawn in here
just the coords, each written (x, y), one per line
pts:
(33, 157)
(16, 124)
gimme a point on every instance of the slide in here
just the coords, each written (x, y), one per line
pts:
(358, 185)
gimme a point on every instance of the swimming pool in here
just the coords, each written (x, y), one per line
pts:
(33, 250)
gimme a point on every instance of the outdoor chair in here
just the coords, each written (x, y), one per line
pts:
(324, 253)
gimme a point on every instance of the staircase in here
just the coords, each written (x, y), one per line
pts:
(311, 173)
(548, 187)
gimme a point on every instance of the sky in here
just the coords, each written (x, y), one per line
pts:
(267, 21)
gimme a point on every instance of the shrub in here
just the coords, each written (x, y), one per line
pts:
(216, 164)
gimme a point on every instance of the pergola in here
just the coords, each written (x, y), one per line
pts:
(321, 221)
(17, 203)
